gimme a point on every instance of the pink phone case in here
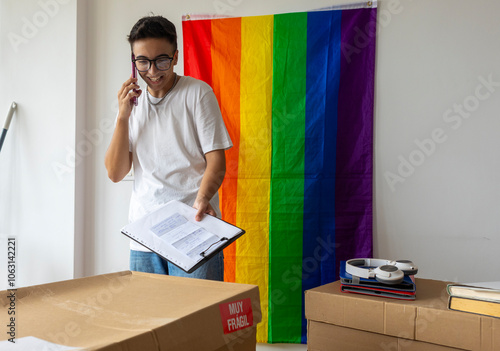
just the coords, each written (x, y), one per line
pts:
(134, 75)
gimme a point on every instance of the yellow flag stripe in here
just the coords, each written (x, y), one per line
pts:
(254, 164)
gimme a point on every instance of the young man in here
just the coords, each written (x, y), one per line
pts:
(175, 138)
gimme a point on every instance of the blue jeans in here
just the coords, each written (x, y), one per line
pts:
(149, 262)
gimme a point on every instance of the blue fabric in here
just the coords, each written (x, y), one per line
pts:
(149, 262)
(322, 88)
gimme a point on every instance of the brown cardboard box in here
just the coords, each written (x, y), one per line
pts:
(346, 321)
(136, 311)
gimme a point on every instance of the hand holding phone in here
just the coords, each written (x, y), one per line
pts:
(134, 75)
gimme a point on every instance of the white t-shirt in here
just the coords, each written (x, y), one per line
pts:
(169, 142)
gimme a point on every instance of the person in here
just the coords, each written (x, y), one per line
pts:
(174, 137)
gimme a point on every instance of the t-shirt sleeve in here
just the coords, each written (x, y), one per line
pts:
(210, 126)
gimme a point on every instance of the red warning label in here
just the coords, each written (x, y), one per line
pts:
(236, 315)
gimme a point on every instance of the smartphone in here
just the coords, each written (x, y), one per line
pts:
(134, 75)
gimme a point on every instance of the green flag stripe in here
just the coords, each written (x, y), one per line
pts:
(287, 180)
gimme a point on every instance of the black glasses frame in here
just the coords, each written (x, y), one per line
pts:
(163, 57)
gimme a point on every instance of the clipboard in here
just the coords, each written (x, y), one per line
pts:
(172, 232)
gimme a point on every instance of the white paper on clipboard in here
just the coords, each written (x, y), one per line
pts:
(172, 232)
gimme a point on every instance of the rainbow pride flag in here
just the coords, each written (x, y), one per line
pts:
(296, 92)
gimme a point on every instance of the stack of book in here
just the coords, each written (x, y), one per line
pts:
(403, 291)
(481, 299)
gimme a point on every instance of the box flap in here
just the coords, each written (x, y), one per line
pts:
(490, 334)
(320, 336)
(426, 319)
(447, 328)
(360, 312)
(130, 310)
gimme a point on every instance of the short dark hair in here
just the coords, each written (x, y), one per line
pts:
(153, 27)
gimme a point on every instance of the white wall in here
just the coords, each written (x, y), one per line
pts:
(441, 211)
(37, 70)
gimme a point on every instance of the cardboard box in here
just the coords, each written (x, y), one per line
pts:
(346, 321)
(136, 311)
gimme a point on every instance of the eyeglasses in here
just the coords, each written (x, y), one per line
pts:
(162, 63)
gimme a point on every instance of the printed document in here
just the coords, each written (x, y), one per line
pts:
(185, 236)
(172, 232)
